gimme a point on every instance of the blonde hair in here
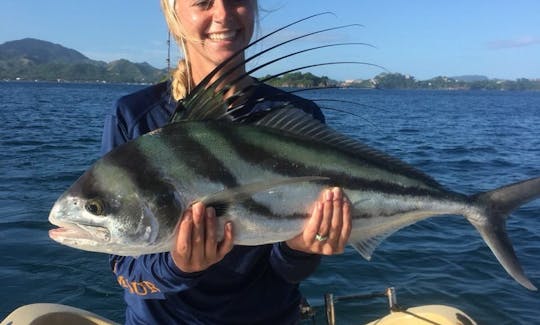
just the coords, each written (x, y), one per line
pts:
(181, 81)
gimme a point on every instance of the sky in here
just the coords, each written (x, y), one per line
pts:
(421, 38)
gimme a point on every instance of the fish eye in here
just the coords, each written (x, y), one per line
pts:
(95, 207)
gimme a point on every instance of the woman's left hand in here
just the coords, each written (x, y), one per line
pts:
(329, 227)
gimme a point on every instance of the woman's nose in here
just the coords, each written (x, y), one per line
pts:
(221, 11)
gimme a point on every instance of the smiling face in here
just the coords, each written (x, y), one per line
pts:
(214, 31)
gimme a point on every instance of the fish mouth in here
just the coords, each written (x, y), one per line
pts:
(78, 233)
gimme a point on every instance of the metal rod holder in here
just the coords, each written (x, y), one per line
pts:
(330, 299)
(392, 299)
(329, 307)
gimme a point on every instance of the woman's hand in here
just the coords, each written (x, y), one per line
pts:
(329, 228)
(196, 247)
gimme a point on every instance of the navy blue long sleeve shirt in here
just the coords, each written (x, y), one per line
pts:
(251, 285)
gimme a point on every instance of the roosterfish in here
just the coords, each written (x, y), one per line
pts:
(262, 176)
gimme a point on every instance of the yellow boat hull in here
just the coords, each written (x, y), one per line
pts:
(53, 314)
(56, 314)
(429, 314)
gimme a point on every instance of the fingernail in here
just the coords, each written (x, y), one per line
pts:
(318, 207)
(328, 195)
(337, 193)
(201, 208)
(210, 212)
(188, 215)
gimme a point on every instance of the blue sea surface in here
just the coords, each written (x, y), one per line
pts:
(470, 141)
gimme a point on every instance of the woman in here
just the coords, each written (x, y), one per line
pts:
(203, 280)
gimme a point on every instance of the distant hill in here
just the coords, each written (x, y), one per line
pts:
(33, 59)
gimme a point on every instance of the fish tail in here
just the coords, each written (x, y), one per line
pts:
(496, 206)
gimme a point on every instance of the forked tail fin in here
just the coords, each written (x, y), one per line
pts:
(497, 206)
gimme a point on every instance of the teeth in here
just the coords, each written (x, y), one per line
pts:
(222, 36)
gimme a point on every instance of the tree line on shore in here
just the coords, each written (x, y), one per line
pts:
(401, 81)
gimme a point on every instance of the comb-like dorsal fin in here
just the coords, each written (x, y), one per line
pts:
(207, 99)
(205, 85)
(206, 90)
(216, 108)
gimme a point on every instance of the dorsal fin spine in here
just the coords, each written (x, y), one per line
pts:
(193, 97)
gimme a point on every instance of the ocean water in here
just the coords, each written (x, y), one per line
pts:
(469, 141)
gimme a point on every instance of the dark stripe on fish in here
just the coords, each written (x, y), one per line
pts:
(257, 155)
(136, 164)
(149, 180)
(209, 167)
